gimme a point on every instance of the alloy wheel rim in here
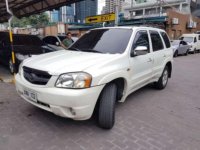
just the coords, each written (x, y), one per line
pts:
(165, 77)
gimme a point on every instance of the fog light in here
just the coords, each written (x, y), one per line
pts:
(72, 111)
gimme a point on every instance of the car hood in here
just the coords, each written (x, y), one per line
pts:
(65, 61)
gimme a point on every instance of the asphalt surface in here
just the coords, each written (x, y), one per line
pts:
(5, 75)
(148, 120)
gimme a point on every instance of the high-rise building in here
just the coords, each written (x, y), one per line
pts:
(84, 9)
(64, 14)
(111, 5)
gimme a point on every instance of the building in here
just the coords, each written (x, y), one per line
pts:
(175, 16)
(64, 14)
(67, 14)
(84, 9)
(158, 8)
(111, 5)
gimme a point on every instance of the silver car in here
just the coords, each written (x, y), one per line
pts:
(180, 47)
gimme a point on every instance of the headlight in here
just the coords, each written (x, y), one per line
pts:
(77, 80)
(21, 57)
(20, 68)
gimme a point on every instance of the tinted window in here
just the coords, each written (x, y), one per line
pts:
(47, 40)
(166, 39)
(54, 40)
(27, 40)
(195, 40)
(184, 43)
(187, 39)
(50, 40)
(62, 38)
(141, 39)
(157, 43)
(104, 41)
(199, 37)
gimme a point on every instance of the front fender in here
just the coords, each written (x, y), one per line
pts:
(112, 76)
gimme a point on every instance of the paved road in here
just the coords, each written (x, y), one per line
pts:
(148, 120)
(5, 75)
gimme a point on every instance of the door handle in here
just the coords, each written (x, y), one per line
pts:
(164, 56)
(150, 60)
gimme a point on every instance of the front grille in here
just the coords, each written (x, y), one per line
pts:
(36, 76)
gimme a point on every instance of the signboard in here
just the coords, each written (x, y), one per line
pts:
(100, 18)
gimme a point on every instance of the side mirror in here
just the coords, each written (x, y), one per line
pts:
(57, 44)
(139, 50)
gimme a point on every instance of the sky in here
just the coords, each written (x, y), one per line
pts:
(101, 3)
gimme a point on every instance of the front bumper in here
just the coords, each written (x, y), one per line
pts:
(77, 104)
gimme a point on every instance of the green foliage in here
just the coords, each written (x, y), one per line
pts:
(36, 21)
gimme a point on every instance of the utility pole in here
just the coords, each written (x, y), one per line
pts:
(11, 36)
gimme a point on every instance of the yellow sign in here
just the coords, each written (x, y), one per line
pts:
(100, 18)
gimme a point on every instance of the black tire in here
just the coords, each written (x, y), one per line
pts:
(176, 54)
(11, 66)
(194, 51)
(161, 84)
(186, 52)
(108, 97)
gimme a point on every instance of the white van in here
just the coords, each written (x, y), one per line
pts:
(193, 40)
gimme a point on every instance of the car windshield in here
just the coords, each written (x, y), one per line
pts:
(62, 38)
(27, 40)
(110, 41)
(176, 42)
(188, 39)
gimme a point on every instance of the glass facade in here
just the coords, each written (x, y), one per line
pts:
(64, 14)
(84, 9)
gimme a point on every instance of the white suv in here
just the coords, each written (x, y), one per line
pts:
(103, 67)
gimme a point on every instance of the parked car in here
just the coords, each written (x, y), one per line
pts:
(56, 41)
(103, 67)
(193, 40)
(24, 46)
(180, 47)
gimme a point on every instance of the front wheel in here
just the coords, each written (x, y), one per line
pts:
(108, 97)
(163, 80)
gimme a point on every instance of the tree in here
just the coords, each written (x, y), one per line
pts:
(36, 21)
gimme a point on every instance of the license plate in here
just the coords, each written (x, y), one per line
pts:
(30, 95)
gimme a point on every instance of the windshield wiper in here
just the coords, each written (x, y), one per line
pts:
(91, 50)
(73, 48)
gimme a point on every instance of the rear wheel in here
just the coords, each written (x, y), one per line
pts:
(163, 80)
(194, 51)
(106, 118)
(176, 54)
(186, 52)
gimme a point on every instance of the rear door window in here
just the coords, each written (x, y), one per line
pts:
(195, 40)
(166, 39)
(157, 43)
